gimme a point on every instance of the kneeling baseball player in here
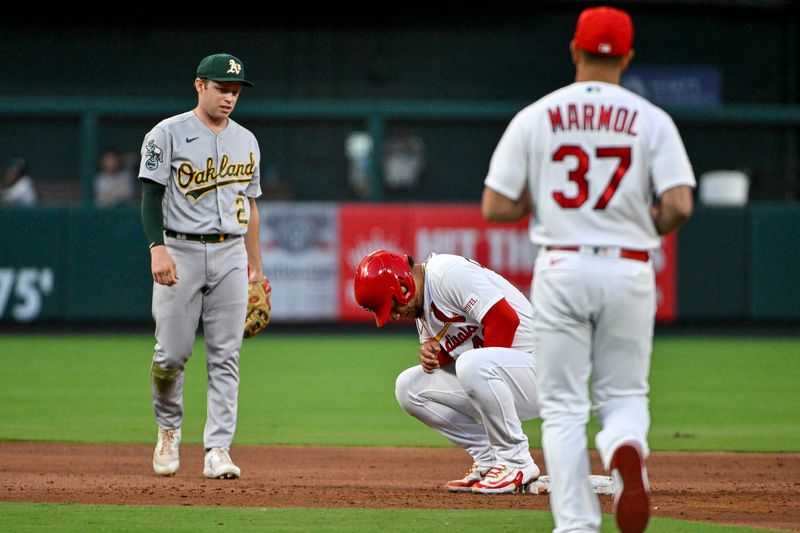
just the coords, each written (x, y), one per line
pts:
(476, 380)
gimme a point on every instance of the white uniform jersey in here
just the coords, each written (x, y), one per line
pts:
(208, 176)
(592, 154)
(458, 294)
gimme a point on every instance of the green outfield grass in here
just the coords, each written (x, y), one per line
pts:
(725, 394)
(707, 393)
(27, 517)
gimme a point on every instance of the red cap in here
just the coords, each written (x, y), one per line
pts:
(605, 31)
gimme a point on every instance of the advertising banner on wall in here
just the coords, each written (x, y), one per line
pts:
(664, 262)
(300, 249)
(419, 229)
(311, 252)
(676, 85)
(364, 229)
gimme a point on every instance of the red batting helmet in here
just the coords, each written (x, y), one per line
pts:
(381, 278)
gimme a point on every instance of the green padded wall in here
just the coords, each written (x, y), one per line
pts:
(775, 262)
(713, 264)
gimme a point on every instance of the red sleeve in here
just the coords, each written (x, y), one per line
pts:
(499, 325)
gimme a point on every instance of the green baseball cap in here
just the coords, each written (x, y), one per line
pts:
(222, 67)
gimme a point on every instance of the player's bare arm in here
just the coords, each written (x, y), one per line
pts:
(252, 243)
(674, 208)
(498, 208)
(162, 266)
(429, 355)
(164, 270)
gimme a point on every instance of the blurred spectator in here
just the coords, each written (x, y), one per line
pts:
(403, 160)
(358, 149)
(114, 183)
(18, 186)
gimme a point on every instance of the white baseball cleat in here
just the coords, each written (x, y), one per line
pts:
(632, 500)
(504, 479)
(475, 474)
(166, 460)
(218, 464)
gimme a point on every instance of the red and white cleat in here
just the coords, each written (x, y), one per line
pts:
(475, 474)
(632, 499)
(504, 479)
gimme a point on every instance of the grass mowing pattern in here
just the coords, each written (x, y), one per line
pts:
(29, 517)
(725, 394)
(707, 393)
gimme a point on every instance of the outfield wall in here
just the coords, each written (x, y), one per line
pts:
(451, 76)
(81, 264)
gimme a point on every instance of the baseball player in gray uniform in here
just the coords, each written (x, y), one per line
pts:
(587, 160)
(200, 178)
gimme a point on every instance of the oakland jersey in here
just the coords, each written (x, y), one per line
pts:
(458, 294)
(593, 154)
(208, 177)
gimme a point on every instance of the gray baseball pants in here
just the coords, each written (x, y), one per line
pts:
(212, 285)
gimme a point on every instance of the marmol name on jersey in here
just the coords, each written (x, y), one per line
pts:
(195, 183)
(592, 117)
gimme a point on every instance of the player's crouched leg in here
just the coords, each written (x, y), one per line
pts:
(492, 375)
(438, 401)
(419, 393)
(431, 397)
(404, 387)
(500, 383)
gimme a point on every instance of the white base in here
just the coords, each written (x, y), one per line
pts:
(600, 485)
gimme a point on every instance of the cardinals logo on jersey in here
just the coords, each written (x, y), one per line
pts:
(443, 317)
(459, 337)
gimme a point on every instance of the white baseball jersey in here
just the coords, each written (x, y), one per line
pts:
(458, 294)
(208, 176)
(592, 154)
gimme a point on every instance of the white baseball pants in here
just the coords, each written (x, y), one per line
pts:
(593, 319)
(495, 386)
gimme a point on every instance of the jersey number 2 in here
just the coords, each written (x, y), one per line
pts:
(241, 212)
(578, 174)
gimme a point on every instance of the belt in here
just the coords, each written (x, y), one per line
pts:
(214, 237)
(610, 251)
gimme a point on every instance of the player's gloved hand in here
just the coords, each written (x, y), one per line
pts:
(258, 307)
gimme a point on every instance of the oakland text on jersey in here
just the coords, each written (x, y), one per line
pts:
(199, 182)
(592, 117)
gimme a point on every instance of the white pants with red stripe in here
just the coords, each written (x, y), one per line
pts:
(495, 386)
(593, 319)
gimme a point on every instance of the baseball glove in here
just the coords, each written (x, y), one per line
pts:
(258, 308)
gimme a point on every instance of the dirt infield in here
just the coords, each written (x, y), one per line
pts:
(758, 490)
